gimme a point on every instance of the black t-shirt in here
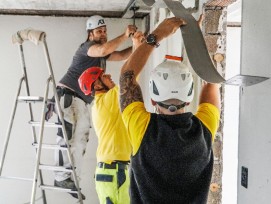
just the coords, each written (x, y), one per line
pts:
(174, 162)
(81, 61)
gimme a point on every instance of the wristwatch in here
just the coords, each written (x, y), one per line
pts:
(151, 40)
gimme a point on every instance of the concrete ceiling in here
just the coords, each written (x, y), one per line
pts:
(107, 8)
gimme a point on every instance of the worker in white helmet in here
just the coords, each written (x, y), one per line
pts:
(74, 103)
(172, 158)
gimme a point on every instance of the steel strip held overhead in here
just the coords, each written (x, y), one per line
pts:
(197, 51)
(195, 44)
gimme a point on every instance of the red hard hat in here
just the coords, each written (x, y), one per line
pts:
(88, 77)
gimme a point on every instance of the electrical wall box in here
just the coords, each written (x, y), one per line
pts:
(244, 176)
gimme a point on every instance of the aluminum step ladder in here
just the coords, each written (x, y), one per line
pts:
(38, 37)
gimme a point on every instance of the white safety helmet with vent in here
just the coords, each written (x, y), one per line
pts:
(95, 22)
(171, 80)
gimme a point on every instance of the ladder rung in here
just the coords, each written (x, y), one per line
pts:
(46, 124)
(16, 178)
(66, 190)
(30, 99)
(54, 168)
(51, 146)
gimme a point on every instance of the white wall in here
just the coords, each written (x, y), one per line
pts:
(231, 107)
(64, 35)
(255, 112)
(231, 119)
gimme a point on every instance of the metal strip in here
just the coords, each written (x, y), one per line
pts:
(195, 46)
(245, 80)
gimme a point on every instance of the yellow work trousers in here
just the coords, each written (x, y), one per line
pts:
(112, 185)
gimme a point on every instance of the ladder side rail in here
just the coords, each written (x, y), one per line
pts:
(27, 89)
(33, 130)
(10, 125)
(60, 115)
(38, 155)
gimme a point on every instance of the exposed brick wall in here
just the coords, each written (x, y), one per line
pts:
(222, 3)
(214, 32)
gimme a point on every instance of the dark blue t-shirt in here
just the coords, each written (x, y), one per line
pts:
(81, 61)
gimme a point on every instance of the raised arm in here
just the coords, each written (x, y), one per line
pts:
(120, 55)
(137, 38)
(210, 94)
(130, 90)
(101, 50)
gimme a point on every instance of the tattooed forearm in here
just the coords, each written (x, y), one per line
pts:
(130, 90)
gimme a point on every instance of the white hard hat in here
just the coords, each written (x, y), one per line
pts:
(95, 22)
(171, 80)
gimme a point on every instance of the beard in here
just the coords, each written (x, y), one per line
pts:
(101, 41)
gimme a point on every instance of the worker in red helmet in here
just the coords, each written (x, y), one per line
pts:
(114, 147)
(95, 51)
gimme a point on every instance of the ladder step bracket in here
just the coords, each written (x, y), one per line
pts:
(65, 190)
(54, 168)
(16, 178)
(30, 99)
(51, 146)
(46, 124)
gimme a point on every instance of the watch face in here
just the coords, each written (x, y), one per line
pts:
(151, 39)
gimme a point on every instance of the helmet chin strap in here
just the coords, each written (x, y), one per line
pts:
(172, 107)
(157, 109)
(104, 87)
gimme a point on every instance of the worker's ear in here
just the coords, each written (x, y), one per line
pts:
(90, 35)
(153, 102)
(201, 17)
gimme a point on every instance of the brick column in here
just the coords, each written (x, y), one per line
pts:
(214, 32)
(214, 29)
